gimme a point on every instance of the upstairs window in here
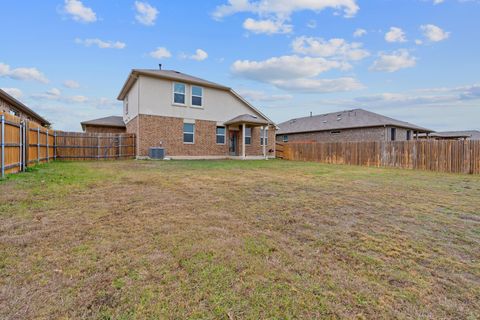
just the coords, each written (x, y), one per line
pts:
(262, 131)
(179, 93)
(220, 135)
(393, 134)
(248, 135)
(126, 104)
(197, 96)
(188, 133)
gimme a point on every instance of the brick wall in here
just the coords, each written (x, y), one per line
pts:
(167, 132)
(99, 129)
(7, 108)
(361, 134)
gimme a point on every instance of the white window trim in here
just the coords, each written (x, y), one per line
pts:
(183, 137)
(192, 95)
(261, 136)
(250, 136)
(224, 135)
(173, 95)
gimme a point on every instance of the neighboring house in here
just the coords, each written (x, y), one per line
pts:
(350, 125)
(9, 104)
(193, 118)
(454, 135)
(113, 124)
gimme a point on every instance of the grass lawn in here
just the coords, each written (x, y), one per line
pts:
(238, 240)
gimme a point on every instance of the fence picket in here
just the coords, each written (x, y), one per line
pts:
(441, 156)
(23, 144)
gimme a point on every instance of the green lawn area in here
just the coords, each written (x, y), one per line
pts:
(238, 240)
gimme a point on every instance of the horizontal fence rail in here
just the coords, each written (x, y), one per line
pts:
(441, 156)
(25, 143)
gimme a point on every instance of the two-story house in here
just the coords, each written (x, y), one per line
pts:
(193, 118)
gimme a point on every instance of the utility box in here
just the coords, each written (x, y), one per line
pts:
(156, 153)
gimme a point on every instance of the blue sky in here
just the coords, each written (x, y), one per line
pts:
(415, 60)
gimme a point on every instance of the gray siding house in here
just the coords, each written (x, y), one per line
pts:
(349, 125)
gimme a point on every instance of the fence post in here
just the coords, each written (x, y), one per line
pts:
(120, 146)
(3, 145)
(48, 149)
(55, 145)
(38, 145)
(98, 148)
(20, 146)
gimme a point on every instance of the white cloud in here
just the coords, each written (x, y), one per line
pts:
(359, 33)
(395, 61)
(55, 94)
(22, 73)
(71, 84)
(268, 26)
(160, 53)
(284, 8)
(334, 48)
(255, 95)
(395, 35)
(295, 73)
(14, 92)
(434, 33)
(79, 12)
(101, 43)
(435, 2)
(146, 14)
(319, 85)
(418, 42)
(283, 68)
(199, 55)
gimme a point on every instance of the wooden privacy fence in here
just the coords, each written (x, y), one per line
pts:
(25, 143)
(442, 156)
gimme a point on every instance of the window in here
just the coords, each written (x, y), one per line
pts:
(335, 132)
(248, 135)
(126, 104)
(261, 136)
(197, 96)
(188, 133)
(285, 138)
(409, 135)
(393, 134)
(220, 135)
(179, 93)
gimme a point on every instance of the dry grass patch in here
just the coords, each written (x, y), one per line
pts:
(238, 240)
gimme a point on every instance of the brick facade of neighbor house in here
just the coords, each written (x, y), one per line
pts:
(354, 135)
(9, 104)
(350, 125)
(167, 132)
(104, 129)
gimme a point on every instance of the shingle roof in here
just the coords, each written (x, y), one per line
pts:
(112, 121)
(23, 108)
(248, 119)
(356, 118)
(471, 134)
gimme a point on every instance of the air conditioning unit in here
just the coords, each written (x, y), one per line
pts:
(156, 153)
